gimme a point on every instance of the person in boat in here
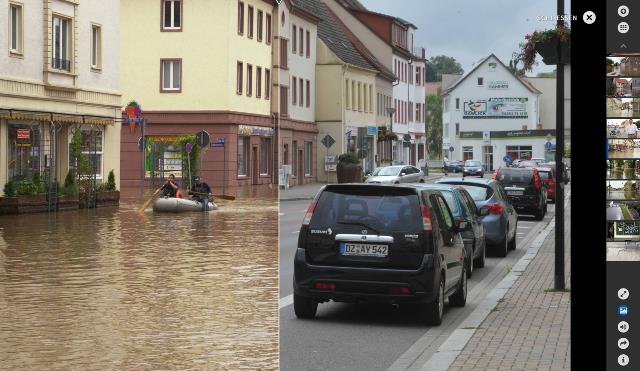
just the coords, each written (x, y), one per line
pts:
(200, 191)
(170, 187)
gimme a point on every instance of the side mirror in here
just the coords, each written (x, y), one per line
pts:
(483, 211)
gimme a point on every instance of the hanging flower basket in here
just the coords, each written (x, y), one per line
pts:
(546, 44)
(549, 51)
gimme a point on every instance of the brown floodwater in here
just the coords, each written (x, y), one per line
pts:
(112, 288)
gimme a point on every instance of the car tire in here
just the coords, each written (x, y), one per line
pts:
(502, 248)
(468, 265)
(459, 298)
(539, 214)
(433, 312)
(512, 243)
(421, 181)
(304, 308)
(479, 262)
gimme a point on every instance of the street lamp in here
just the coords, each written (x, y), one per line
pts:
(391, 111)
(409, 78)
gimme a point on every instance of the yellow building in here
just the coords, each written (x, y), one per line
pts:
(200, 65)
(54, 77)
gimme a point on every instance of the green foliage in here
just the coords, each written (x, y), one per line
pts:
(181, 143)
(442, 64)
(75, 151)
(609, 62)
(70, 179)
(10, 189)
(527, 52)
(26, 188)
(434, 125)
(348, 158)
(547, 74)
(37, 182)
(111, 182)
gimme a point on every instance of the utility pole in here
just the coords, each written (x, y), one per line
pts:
(559, 201)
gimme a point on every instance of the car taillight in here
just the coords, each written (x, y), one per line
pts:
(426, 217)
(309, 214)
(536, 180)
(494, 208)
(325, 286)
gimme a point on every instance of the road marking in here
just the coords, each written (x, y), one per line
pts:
(294, 232)
(286, 301)
(280, 214)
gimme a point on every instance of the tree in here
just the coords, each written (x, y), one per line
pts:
(547, 74)
(434, 125)
(442, 64)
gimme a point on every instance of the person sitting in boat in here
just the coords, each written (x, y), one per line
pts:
(170, 187)
(200, 191)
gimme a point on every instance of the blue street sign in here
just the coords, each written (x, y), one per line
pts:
(548, 145)
(189, 147)
(216, 145)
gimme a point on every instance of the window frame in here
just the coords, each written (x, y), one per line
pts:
(308, 101)
(294, 39)
(308, 155)
(163, 28)
(246, 144)
(70, 47)
(97, 49)
(250, 21)
(88, 129)
(301, 41)
(480, 81)
(294, 91)
(170, 90)
(239, 77)
(308, 52)
(240, 19)
(258, 82)
(259, 22)
(301, 92)
(267, 84)
(267, 32)
(19, 50)
(265, 145)
(249, 80)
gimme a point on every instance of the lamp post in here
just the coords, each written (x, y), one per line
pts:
(409, 77)
(391, 111)
(559, 201)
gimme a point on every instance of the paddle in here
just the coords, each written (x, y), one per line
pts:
(224, 197)
(146, 204)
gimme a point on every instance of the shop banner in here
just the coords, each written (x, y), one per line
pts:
(23, 133)
(497, 108)
(254, 130)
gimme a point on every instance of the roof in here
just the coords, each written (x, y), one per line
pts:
(482, 61)
(331, 32)
(311, 7)
(352, 4)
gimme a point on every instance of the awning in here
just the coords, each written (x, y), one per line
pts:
(57, 117)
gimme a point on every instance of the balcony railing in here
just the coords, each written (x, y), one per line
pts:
(61, 64)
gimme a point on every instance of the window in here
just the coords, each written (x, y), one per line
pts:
(25, 149)
(467, 153)
(61, 44)
(294, 95)
(259, 25)
(171, 75)
(250, 22)
(91, 146)
(410, 111)
(172, 15)
(360, 97)
(519, 152)
(243, 151)
(265, 150)
(294, 35)
(301, 41)
(354, 93)
(283, 53)
(294, 158)
(240, 18)
(96, 46)
(267, 84)
(239, 78)
(15, 28)
(480, 81)
(308, 44)
(418, 111)
(457, 103)
(249, 80)
(418, 79)
(446, 130)
(457, 129)
(370, 98)
(307, 158)
(284, 99)
(347, 96)
(268, 31)
(446, 104)
(301, 101)
(258, 82)
(308, 93)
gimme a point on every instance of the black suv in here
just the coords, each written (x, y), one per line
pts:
(379, 243)
(525, 190)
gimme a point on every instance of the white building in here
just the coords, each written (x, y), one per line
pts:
(55, 77)
(490, 112)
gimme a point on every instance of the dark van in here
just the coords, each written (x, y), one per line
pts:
(525, 190)
(379, 243)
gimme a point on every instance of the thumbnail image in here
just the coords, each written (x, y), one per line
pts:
(621, 190)
(623, 107)
(625, 66)
(623, 240)
(623, 169)
(623, 87)
(623, 210)
(623, 148)
(623, 128)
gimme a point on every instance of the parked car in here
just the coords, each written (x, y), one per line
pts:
(566, 174)
(453, 166)
(464, 209)
(472, 167)
(527, 163)
(515, 163)
(370, 242)
(499, 217)
(524, 189)
(396, 174)
(538, 160)
(548, 176)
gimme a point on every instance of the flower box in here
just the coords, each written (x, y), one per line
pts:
(110, 198)
(68, 202)
(349, 173)
(24, 204)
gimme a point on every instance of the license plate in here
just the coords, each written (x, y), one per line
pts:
(360, 249)
(515, 193)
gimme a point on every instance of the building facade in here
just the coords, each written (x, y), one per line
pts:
(490, 112)
(200, 66)
(54, 79)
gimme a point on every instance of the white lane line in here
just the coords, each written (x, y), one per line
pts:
(523, 227)
(286, 301)
(294, 232)
(280, 214)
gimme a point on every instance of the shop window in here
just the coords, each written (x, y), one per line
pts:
(91, 145)
(294, 158)
(243, 155)
(307, 158)
(519, 152)
(265, 150)
(467, 153)
(25, 152)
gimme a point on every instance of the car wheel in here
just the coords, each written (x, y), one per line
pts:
(421, 181)
(479, 262)
(502, 248)
(434, 311)
(459, 298)
(304, 307)
(512, 243)
(539, 214)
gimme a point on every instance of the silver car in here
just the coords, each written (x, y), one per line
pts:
(396, 174)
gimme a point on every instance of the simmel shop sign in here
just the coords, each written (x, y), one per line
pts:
(496, 108)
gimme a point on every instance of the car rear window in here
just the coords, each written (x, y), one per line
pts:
(544, 174)
(515, 176)
(384, 209)
(472, 163)
(477, 192)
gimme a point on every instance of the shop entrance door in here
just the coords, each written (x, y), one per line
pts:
(254, 165)
(487, 157)
(300, 167)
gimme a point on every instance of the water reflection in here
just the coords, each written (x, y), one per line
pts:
(111, 288)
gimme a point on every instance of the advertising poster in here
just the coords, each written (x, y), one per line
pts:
(497, 108)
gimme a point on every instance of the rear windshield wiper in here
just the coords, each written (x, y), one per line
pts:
(360, 224)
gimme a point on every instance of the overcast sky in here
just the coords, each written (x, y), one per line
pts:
(469, 30)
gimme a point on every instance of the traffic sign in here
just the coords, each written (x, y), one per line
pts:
(451, 149)
(548, 146)
(188, 147)
(202, 138)
(406, 137)
(328, 141)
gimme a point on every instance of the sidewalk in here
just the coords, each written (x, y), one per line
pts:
(530, 328)
(308, 191)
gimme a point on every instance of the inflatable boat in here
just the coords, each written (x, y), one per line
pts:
(178, 205)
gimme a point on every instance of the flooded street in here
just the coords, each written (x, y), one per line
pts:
(113, 288)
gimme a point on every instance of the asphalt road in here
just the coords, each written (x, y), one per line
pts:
(373, 337)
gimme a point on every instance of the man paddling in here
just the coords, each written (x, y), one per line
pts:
(170, 187)
(200, 191)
